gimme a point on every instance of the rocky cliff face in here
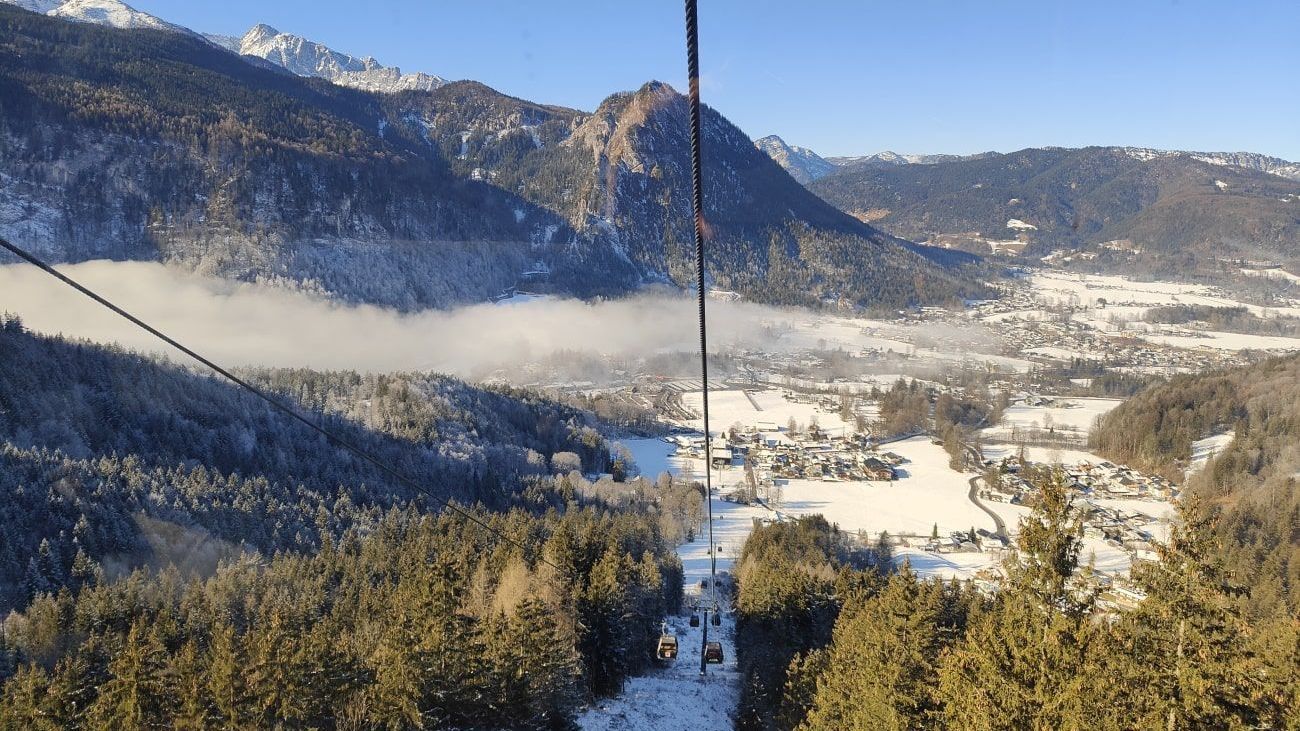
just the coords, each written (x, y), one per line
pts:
(803, 164)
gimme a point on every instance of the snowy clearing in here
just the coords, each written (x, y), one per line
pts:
(1064, 415)
(1224, 341)
(1204, 449)
(946, 566)
(926, 492)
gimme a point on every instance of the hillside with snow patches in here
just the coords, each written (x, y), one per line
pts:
(803, 164)
(293, 53)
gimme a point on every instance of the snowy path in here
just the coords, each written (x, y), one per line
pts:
(674, 697)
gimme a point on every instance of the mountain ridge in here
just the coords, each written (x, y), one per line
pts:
(410, 200)
(803, 164)
(1114, 202)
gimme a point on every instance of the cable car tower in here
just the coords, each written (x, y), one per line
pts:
(697, 209)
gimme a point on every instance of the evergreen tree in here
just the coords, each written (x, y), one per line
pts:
(190, 709)
(1022, 663)
(225, 681)
(134, 696)
(880, 670)
(1188, 644)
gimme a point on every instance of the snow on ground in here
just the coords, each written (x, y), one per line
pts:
(928, 491)
(1224, 341)
(1027, 315)
(946, 565)
(1051, 351)
(921, 341)
(1046, 455)
(1163, 512)
(521, 298)
(674, 696)
(653, 456)
(732, 524)
(1134, 298)
(1272, 274)
(1089, 290)
(1104, 557)
(1073, 414)
(733, 406)
(1204, 449)
(1010, 514)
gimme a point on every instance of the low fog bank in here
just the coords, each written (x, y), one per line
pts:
(237, 323)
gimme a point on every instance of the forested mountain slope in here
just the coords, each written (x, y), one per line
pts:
(177, 555)
(141, 144)
(624, 174)
(146, 144)
(1252, 481)
(1167, 205)
(92, 436)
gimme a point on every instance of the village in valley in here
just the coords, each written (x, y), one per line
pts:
(797, 424)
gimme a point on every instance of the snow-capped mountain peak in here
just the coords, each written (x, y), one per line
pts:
(36, 6)
(112, 13)
(803, 164)
(309, 58)
(295, 54)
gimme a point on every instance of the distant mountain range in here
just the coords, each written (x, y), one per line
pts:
(143, 144)
(1120, 202)
(112, 13)
(308, 58)
(806, 166)
(1174, 211)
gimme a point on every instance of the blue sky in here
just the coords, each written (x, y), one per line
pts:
(857, 77)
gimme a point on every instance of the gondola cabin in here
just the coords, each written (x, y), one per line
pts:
(713, 653)
(667, 649)
(695, 620)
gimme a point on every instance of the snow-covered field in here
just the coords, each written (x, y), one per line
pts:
(1104, 557)
(1046, 455)
(947, 566)
(653, 456)
(1092, 290)
(1072, 415)
(1224, 341)
(1272, 274)
(1129, 300)
(734, 407)
(927, 492)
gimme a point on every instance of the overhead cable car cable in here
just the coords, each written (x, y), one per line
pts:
(274, 402)
(697, 208)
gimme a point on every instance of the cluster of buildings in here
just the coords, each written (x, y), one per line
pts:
(1098, 480)
(775, 455)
